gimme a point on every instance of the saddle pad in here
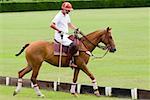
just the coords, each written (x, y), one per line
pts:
(64, 49)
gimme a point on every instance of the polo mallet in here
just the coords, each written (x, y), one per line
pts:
(60, 56)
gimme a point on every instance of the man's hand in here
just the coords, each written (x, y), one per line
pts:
(61, 34)
(77, 31)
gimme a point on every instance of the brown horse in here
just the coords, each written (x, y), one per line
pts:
(39, 51)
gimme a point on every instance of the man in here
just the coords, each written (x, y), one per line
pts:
(60, 24)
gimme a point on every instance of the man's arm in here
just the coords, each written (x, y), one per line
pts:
(53, 26)
(72, 26)
(76, 30)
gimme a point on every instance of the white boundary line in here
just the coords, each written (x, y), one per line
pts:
(108, 91)
(78, 88)
(134, 93)
(7, 80)
(55, 86)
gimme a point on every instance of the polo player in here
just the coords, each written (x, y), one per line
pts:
(60, 24)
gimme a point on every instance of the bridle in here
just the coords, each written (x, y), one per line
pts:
(99, 46)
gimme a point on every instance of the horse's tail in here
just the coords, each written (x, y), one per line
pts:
(26, 45)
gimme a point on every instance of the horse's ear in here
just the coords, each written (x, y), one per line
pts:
(108, 29)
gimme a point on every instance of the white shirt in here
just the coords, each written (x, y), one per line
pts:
(61, 21)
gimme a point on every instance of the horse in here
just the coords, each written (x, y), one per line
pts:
(40, 51)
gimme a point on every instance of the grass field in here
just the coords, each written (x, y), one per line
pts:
(129, 67)
(49, 95)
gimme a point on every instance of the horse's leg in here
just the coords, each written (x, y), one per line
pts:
(75, 77)
(94, 83)
(21, 73)
(24, 71)
(34, 81)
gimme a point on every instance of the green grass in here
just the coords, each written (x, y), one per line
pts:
(9, 1)
(129, 67)
(6, 93)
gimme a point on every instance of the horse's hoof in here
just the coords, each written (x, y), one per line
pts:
(15, 93)
(75, 94)
(97, 93)
(42, 96)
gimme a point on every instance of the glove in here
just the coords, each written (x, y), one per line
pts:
(61, 34)
(77, 31)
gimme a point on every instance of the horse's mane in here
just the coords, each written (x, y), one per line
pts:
(95, 33)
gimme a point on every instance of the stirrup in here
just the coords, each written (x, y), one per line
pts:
(71, 64)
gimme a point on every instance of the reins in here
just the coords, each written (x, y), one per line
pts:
(100, 57)
(99, 46)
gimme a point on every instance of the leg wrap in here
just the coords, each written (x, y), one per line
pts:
(37, 90)
(19, 86)
(95, 87)
(94, 83)
(73, 87)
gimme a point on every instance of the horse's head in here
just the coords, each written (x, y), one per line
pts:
(107, 39)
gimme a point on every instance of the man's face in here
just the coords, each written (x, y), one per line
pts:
(67, 11)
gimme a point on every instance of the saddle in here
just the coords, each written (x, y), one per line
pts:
(65, 48)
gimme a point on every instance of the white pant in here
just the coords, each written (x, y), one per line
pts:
(65, 41)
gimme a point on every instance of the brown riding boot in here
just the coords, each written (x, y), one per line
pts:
(71, 51)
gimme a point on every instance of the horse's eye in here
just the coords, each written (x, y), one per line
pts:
(110, 37)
